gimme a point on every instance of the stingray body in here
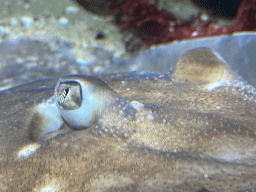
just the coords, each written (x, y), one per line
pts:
(156, 135)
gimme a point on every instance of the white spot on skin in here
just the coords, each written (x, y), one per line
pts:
(124, 83)
(28, 150)
(150, 117)
(218, 84)
(47, 189)
(141, 108)
(50, 185)
(137, 105)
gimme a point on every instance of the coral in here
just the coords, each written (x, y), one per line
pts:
(159, 26)
(154, 24)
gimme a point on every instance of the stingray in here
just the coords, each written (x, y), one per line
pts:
(192, 129)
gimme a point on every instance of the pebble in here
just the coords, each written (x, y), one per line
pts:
(81, 62)
(28, 150)
(71, 9)
(98, 70)
(14, 21)
(63, 21)
(4, 30)
(27, 21)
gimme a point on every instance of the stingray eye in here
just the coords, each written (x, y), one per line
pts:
(82, 99)
(68, 95)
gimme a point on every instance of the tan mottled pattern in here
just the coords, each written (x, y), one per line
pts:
(196, 140)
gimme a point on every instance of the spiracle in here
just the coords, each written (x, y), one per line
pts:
(82, 99)
(205, 68)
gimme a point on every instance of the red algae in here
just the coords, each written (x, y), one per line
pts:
(159, 26)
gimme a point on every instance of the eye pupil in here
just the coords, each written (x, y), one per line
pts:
(64, 95)
(65, 92)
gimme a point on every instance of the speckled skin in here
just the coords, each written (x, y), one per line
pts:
(197, 140)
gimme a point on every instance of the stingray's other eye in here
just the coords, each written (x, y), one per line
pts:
(68, 95)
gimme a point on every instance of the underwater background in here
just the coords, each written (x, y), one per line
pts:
(54, 38)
